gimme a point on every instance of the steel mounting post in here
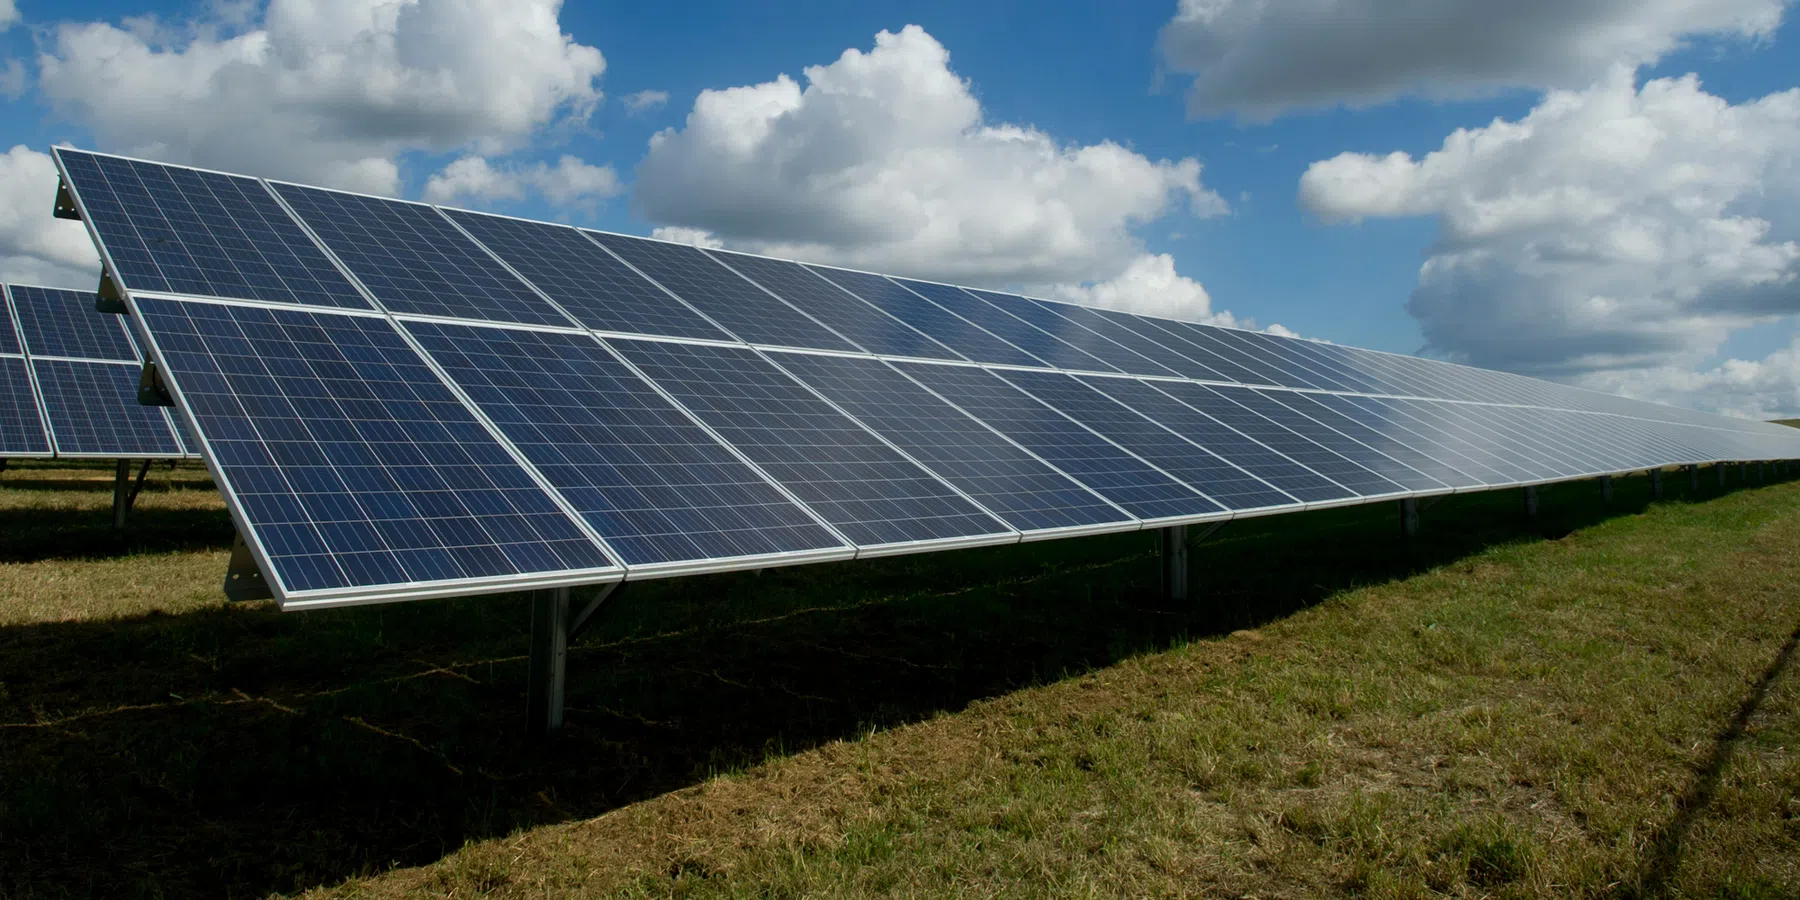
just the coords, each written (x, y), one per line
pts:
(125, 490)
(1693, 473)
(1409, 517)
(1606, 488)
(1656, 484)
(553, 626)
(1721, 468)
(1175, 563)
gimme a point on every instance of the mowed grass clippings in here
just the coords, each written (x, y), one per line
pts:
(1592, 703)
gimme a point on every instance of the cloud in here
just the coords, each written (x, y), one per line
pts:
(36, 248)
(1259, 58)
(9, 14)
(1612, 229)
(1151, 285)
(882, 161)
(644, 101)
(569, 182)
(699, 237)
(324, 91)
(1768, 388)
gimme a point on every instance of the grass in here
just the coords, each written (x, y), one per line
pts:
(1597, 702)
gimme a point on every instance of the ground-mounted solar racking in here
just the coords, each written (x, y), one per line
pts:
(69, 388)
(402, 401)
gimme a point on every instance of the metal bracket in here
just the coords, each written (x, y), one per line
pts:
(1205, 533)
(151, 390)
(65, 202)
(579, 621)
(107, 297)
(243, 580)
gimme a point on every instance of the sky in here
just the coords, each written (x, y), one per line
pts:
(1605, 193)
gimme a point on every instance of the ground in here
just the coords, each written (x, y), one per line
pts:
(1596, 702)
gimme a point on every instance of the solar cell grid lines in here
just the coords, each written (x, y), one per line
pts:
(1355, 444)
(188, 231)
(9, 334)
(589, 283)
(93, 410)
(1120, 477)
(752, 314)
(872, 329)
(864, 488)
(21, 423)
(1116, 328)
(414, 261)
(1016, 486)
(354, 465)
(1268, 465)
(1039, 344)
(1067, 330)
(64, 323)
(1202, 470)
(654, 484)
(947, 328)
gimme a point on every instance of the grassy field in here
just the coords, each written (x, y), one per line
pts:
(1597, 702)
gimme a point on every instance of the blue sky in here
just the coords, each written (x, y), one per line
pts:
(1256, 95)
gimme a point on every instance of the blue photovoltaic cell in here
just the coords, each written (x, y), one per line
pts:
(1204, 471)
(854, 481)
(414, 261)
(64, 323)
(1117, 475)
(949, 330)
(93, 408)
(188, 445)
(1387, 433)
(353, 464)
(1067, 330)
(1330, 454)
(1298, 481)
(751, 313)
(1414, 466)
(1273, 435)
(655, 485)
(1445, 416)
(1010, 482)
(185, 231)
(1141, 339)
(845, 313)
(21, 424)
(1222, 355)
(1383, 409)
(1024, 335)
(586, 280)
(9, 338)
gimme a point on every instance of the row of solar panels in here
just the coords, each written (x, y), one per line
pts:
(189, 232)
(460, 419)
(69, 383)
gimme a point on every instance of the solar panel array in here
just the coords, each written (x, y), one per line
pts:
(404, 401)
(69, 382)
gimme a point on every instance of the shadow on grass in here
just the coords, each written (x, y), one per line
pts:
(239, 751)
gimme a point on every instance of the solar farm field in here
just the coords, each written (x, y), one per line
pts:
(1598, 701)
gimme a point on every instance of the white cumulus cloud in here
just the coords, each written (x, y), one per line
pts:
(569, 182)
(882, 160)
(35, 247)
(1614, 233)
(644, 101)
(9, 14)
(324, 91)
(1259, 58)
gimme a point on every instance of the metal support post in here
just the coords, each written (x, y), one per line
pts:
(1409, 517)
(1762, 473)
(553, 626)
(1531, 501)
(1693, 478)
(1174, 563)
(549, 659)
(1606, 488)
(125, 491)
(1656, 484)
(1721, 468)
(1743, 477)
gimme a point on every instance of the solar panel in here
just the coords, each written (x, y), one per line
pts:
(1040, 344)
(414, 261)
(1267, 464)
(1224, 356)
(948, 329)
(867, 491)
(187, 231)
(1415, 437)
(1226, 484)
(1124, 330)
(21, 422)
(9, 335)
(1379, 452)
(1021, 489)
(747, 311)
(64, 323)
(1124, 479)
(655, 485)
(870, 328)
(92, 410)
(590, 283)
(356, 470)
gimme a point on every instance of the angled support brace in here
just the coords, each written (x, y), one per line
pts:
(243, 580)
(125, 491)
(65, 202)
(107, 297)
(553, 626)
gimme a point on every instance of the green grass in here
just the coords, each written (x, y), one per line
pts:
(1595, 703)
